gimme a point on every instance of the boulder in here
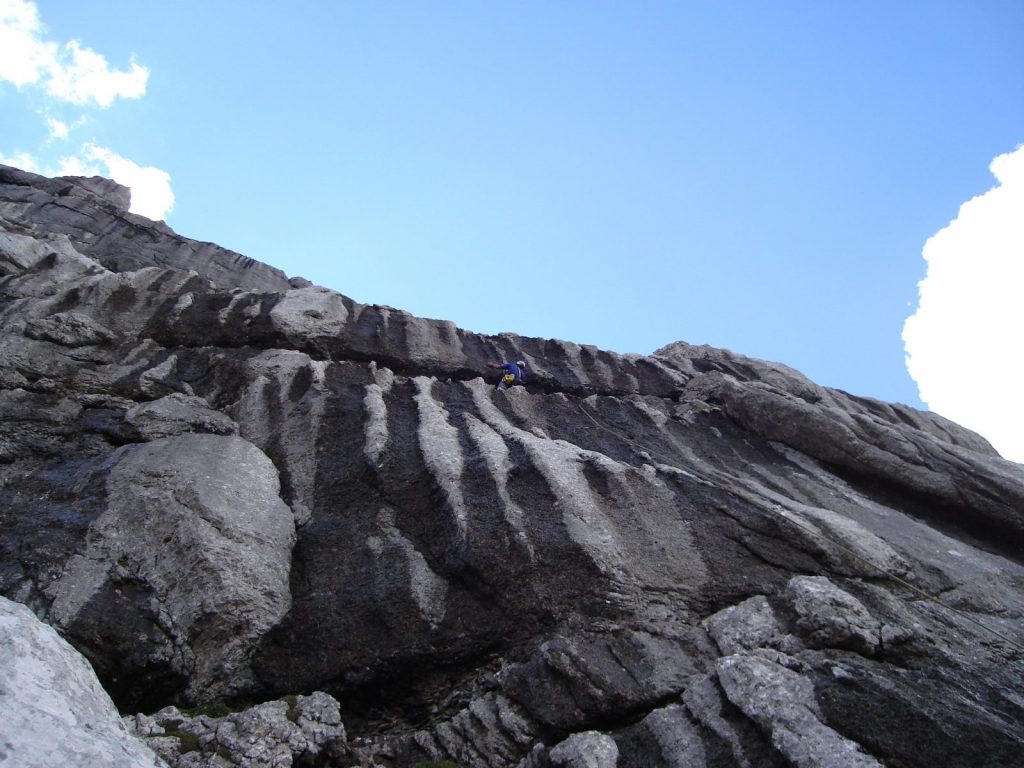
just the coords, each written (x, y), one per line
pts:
(589, 749)
(53, 710)
(782, 703)
(195, 543)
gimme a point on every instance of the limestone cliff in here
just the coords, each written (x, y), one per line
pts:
(224, 486)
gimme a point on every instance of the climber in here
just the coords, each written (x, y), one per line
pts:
(515, 373)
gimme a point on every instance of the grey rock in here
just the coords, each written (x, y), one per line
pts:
(207, 501)
(275, 734)
(782, 704)
(93, 212)
(70, 329)
(573, 681)
(225, 485)
(178, 414)
(53, 710)
(490, 731)
(827, 616)
(105, 189)
(666, 737)
(589, 749)
(537, 757)
(748, 625)
(727, 738)
(870, 439)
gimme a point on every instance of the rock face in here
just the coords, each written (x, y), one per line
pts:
(226, 487)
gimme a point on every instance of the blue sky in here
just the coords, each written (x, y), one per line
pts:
(756, 176)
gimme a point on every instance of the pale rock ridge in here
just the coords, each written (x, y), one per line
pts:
(223, 485)
(782, 703)
(498, 458)
(284, 426)
(428, 589)
(442, 452)
(376, 423)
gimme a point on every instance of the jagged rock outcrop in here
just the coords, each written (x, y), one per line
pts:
(295, 730)
(226, 487)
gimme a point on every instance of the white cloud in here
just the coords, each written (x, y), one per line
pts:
(68, 72)
(72, 73)
(151, 187)
(22, 160)
(964, 343)
(23, 54)
(58, 128)
(77, 166)
(88, 77)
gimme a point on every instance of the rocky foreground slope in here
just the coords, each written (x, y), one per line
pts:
(287, 528)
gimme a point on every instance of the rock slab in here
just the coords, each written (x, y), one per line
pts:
(53, 710)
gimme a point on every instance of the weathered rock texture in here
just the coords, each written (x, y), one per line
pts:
(297, 729)
(53, 710)
(226, 487)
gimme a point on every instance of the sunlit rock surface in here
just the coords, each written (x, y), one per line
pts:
(227, 488)
(53, 710)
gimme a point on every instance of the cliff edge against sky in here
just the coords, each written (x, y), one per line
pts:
(228, 488)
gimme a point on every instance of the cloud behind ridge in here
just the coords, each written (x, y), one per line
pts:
(964, 343)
